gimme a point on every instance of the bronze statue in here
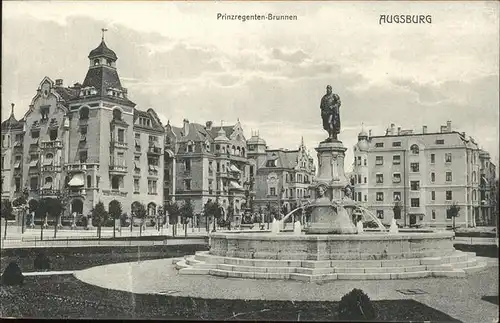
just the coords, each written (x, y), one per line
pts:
(330, 113)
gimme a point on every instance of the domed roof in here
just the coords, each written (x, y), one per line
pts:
(362, 133)
(102, 50)
(221, 135)
(256, 140)
(363, 145)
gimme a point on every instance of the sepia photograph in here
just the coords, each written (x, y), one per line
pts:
(250, 160)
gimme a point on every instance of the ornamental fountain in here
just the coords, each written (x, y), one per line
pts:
(334, 244)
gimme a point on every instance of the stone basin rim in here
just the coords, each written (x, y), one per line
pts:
(330, 237)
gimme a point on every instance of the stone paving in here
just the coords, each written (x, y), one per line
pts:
(458, 297)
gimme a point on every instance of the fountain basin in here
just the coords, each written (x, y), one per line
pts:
(365, 246)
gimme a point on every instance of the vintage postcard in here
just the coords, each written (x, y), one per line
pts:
(250, 160)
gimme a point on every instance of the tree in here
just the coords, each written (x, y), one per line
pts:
(186, 213)
(115, 211)
(6, 213)
(139, 211)
(173, 212)
(453, 212)
(210, 210)
(62, 200)
(99, 215)
(52, 207)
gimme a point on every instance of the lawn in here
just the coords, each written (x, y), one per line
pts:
(84, 257)
(66, 297)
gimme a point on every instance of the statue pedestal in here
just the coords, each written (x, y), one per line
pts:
(328, 215)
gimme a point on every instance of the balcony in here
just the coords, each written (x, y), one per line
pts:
(74, 192)
(114, 193)
(118, 169)
(81, 167)
(154, 151)
(119, 144)
(51, 168)
(51, 144)
(53, 193)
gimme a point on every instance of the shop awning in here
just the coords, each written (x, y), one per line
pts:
(235, 185)
(48, 162)
(47, 186)
(137, 143)
(33, 163)
(35, 141)
(77, 180)
(136, 165)
(17, 165)
(235, 169)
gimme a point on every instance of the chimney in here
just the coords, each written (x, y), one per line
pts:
(399, 131)
(424, 129)
(443, 129)
(208, 125)
(393, 126)
(59, 82)
(448, 126)
(369, 133)
(186, 127)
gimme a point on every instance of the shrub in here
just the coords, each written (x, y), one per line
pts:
(41, 262)
(12, 275)
(356, 305)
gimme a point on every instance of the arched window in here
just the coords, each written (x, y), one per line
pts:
(414, 149)
(233, 151)
(115, 182)
(84, 113)
(48, 183)
(109, 62)
(49, 156)
(48, 180)
(243, 152)
(238, 151)
(96, 61)
(474, 195)
(152, 209)
(117, 114)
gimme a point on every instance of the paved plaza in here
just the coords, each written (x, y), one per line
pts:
(459, 298)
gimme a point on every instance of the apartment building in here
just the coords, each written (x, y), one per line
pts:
(88, 141)
(416, 177)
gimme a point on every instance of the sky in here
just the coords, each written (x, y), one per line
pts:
(178, 59)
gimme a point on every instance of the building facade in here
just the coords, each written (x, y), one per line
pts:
(87, 142)
(206, 162)
(488, 190)
(416, 177)
(282, 176)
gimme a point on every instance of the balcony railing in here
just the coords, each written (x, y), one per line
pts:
(114, 193)
(78, 167)
(119, 144)
(51, 144)
(51, 168)
(76, 192)
(118, 168)
(154, 151)
(49, 192)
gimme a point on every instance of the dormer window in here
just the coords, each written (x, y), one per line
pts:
(109, 62)
(96, 62)
(53, 134)
(44, 111)
(117, 114)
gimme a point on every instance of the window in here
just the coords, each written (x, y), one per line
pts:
(272, 191)
(474, 195)
(3, 162)
(190, 148)
(414, 167)
(364, 180)
(396, 159)
(474, 177)
(359, 196)
(35, 134)
(120, 159)
(97, 181)
(187, 184)
(84, 113)
(449, 195)
(415, 202)
(115, 183)
(359, 179)
(17, 183)
(271, 163)
(44, 111)
(396, 144)
(89, 181)
(433, 212)
(83, 133)
(379, 178)
(121, 136)
(448, 176)
(396, 196)
(380, 214)
(366, 198)
(152, 187)
(433, 177)
(379, 196)
(414, 149)
(359, 160)
(415, 185)
(447, 157)
(433, 195)
(34, 183)
(53, 134)
(448, 214)
(439, 141)
(187, 164)
(108, 61)
(364, 161)
(379, 160)
(83, 156)
(379, 144)
(96, 61)
(396, 178)
(117, 114)
(433, 158)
